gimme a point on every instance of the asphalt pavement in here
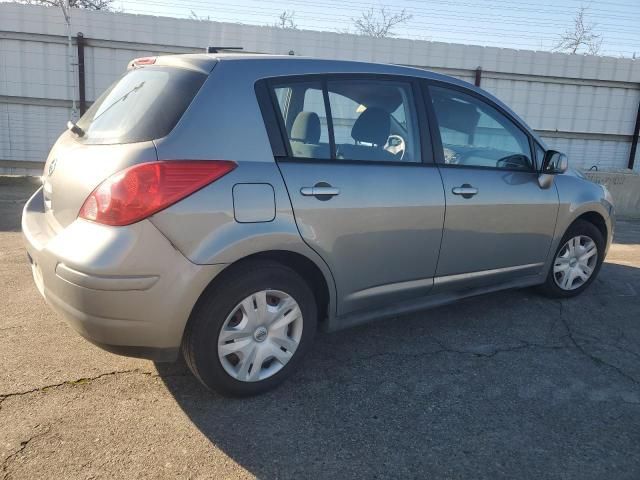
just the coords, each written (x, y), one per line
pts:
(508, 385)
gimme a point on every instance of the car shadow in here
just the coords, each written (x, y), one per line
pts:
(498, 385)
(14, 193)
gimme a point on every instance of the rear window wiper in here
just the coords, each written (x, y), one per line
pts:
(75, 128)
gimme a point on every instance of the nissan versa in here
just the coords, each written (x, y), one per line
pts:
(227, 206)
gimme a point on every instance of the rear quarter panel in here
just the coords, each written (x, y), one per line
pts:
(225, 123)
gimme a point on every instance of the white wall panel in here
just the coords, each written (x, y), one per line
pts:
(28, 131)
(582, 153)
(33, 69)
(573, 96)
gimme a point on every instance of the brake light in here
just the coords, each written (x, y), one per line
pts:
(144, 61)
(142, 190)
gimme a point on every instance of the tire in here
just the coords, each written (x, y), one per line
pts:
(223, 305)
(584, 230)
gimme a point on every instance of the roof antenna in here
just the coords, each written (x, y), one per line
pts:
(218, 49)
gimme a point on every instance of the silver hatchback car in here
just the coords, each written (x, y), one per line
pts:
(227, 206)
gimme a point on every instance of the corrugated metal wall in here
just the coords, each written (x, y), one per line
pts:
(585, 106)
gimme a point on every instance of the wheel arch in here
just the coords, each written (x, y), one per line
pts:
(597, 220)
(322, 287)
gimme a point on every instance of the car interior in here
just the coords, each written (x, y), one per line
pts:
(474, 134)
(369, 121)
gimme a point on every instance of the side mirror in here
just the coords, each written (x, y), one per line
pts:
(553, 163)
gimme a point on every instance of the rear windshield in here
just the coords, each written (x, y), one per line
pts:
(144, 104)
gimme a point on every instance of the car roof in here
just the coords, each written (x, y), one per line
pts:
(205, 62)
(201, 60)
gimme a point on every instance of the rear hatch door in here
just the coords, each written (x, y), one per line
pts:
(115, 133)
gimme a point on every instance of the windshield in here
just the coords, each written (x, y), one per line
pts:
(144, 104)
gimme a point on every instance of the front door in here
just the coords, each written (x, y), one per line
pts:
(499, 222)
(362, 196)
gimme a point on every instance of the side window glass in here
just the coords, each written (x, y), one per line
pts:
(476, 134)
(302, 108)
(374, 120)
(283, 96)
(314, 102)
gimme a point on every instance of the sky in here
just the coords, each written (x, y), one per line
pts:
(524, 24)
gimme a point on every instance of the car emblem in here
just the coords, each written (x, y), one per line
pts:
(260, 334)
(52, 166)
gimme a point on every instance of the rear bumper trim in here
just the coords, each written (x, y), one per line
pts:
(100, 282)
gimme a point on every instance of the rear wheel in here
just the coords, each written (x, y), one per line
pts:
(577, 261)
(249, 332)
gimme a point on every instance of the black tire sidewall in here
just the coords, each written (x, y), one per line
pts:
(579, 227)
(206, 323)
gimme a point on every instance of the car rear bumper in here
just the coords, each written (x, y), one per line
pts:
(126, 289)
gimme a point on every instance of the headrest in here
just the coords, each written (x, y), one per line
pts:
(306, 128)
(372, 126)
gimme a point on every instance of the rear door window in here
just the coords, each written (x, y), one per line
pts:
(371, 119)
(374, 120)
(303, 112)
(144, 104)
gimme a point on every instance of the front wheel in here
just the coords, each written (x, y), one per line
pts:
(249, 332)
(577, 261)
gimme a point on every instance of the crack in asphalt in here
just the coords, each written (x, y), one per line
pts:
(446, 349)
(597, 360)
(85, 380)
(523, 345)
(443, 348)
(11, 328)
(79, 381)
(23, 445)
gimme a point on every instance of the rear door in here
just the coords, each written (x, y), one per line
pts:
(499, 222)
(365, 192)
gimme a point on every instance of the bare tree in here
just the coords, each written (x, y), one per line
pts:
(286, 20)
(582, 38)
(194, 16)
(380, 24)
(86, 4)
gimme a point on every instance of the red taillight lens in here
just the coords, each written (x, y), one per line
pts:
(142, 190)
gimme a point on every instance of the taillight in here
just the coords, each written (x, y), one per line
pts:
(142, 190)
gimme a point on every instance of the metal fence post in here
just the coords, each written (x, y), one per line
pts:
(634, 140)
(81, 77)
(478, 76)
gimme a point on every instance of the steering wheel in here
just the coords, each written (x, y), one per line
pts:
(396, 145)
(461, 158)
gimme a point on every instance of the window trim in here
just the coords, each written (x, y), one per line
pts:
(437, 139)
(333, 151)
(534, 145)
(270, 119)
(280, 142)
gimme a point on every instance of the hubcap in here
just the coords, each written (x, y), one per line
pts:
(260, 335)
(575, 262)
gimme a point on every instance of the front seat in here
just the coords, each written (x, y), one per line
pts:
(372, 126)
(305, 137)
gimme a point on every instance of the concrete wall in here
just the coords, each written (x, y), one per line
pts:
(582, 105)
(624, 188)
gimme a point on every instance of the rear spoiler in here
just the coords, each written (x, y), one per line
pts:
(198, 62)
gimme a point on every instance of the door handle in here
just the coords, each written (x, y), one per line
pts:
(320, 191)
(466, 190)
